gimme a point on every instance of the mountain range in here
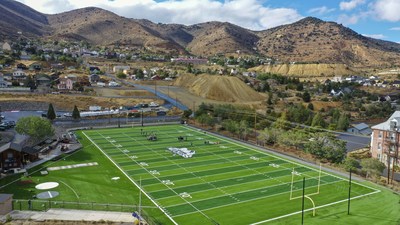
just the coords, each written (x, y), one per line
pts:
(309, 40)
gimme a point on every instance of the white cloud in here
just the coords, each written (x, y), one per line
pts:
(351, 4)
(246, 13)
(348, 20)
(395, 28)
(387, 10)
(376, 36)
(321, 10)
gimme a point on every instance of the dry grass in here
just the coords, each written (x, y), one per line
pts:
(67, 102)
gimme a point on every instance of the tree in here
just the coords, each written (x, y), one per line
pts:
(121, 75)
(372, 167)
(343, 122)
(75, 113)
(281, 122)
(306, 96)
(326, 146)
(187, 113)
(270, 96)
(36, 127)
(310, 106)
(351, 163)
(51, 114)
(318, 121)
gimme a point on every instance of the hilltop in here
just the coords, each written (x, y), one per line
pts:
(309, 40)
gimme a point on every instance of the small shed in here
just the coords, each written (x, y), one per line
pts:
(6, 203)
(361, 128)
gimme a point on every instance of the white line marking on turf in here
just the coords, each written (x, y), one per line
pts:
(275, 156)
(318, 207)
(76, 194)
(158, 206)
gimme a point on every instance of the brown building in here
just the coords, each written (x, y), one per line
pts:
(385, 140)
(16, 155)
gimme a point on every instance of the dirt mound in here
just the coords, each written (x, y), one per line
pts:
(220, 88)
(308, 70)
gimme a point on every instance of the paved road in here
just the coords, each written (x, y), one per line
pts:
(172, 101)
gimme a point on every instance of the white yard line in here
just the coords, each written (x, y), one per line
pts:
(140, 188)
(217, 207)
(318, 207)
(275, 156)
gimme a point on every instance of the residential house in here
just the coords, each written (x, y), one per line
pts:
(6, 47)
(117, 69)
(189, 61)
(337, 79)
(94, 78)
(66, 84)
(94, 69)
(57, 66)
(396, 83)
(36, 67)
(21, 66)
(19, 76)
(361, 128)
(3, 83)
(43, 80)
(385, 140)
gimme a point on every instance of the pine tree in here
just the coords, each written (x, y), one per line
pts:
(51, 114)
(76, 114)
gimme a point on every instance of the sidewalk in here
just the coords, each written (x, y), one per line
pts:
(72, 215)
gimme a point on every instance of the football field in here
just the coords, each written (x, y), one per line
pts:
(224, 182)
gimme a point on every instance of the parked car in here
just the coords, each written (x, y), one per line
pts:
(10, 123)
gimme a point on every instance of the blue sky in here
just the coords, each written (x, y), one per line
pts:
(375, 18)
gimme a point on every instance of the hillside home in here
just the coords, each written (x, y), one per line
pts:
(189, 61)
(361, 129)
(65, 84)
(18, 74)
(3, 83)
(43, 80)
(396, 83)
(21, 66)
(117, 69)
(94, 78)
(385, 139)
(6, 47)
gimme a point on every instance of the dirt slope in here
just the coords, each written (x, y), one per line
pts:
(307, 70)
(220, 88)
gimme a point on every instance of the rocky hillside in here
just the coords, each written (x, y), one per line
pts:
(220, 88)
(314, 40)
(17, 19)
(308, 40)
(308, 70)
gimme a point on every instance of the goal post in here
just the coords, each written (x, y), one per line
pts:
(294, 173)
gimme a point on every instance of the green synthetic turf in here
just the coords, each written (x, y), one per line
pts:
(225, 183)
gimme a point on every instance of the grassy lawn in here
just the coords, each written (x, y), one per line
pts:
(224, 182)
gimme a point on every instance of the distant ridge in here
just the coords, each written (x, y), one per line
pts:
(309, 40)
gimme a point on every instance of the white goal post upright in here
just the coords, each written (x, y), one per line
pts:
(292, 184)
(308, 195)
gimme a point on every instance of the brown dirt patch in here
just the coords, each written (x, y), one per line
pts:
(220, 88)
(67, 102)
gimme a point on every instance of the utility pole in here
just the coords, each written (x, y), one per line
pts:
(348, 203)
(255, 123)
(302, 201)
(396, 150)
